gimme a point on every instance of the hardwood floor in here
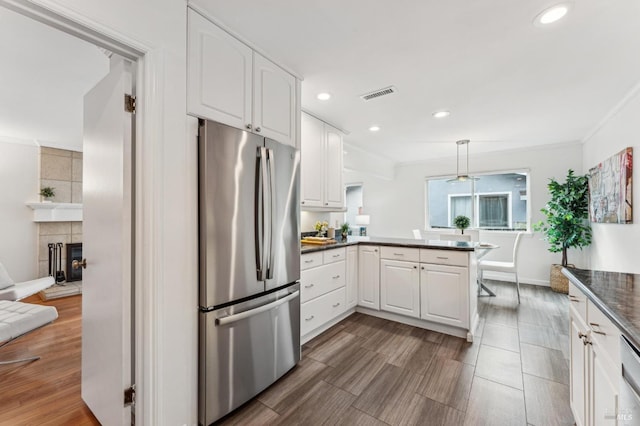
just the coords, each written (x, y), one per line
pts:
(369, 371)
(46, 391)
(363, 371)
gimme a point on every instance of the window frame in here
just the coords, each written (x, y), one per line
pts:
(526, 171)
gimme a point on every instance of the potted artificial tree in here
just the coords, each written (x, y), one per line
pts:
(567, 222)
(461, 222)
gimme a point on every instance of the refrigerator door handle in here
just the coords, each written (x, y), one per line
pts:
(261, 195)
(272, 202)
(246, 314)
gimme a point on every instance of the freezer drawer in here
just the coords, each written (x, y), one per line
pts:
(244, 348)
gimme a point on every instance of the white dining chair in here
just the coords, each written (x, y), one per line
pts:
(500, 266)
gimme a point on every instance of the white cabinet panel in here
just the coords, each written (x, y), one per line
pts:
(352, 276)
(444, 294)
(274, 102)
(321, 165)
(400, 253)
(400, 287)
(603, 398)
(336, 255)
(444, 257)
(312, 162)
(578, 360)
(323, 279)
(219, 74)
(369, 277)
(334, 190)
(310, 260)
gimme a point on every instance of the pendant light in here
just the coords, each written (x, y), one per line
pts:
(462, 177)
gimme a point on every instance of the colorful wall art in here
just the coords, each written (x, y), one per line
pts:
(610, 189)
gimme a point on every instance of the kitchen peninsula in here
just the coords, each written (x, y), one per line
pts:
(424, 283)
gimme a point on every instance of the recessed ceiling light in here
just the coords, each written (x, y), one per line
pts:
(441, 114)
(552, 14)
(324, 96)
(374, 128)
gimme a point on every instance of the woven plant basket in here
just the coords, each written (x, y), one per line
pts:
(559, 283)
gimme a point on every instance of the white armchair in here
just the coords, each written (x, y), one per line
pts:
(9, 290)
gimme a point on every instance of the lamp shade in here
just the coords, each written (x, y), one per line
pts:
(362, 219)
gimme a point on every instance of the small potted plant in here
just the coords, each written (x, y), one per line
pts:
(47, 193)
(461, 222)
(321, 228)
(567, 222)
(345, 230)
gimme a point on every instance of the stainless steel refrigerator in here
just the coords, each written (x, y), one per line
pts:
(249, 266)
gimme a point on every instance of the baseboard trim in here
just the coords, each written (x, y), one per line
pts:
(504, 276)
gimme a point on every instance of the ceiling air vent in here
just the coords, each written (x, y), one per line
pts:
(381, 92)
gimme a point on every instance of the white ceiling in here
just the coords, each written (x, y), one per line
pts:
(507, 83)
(43, 78)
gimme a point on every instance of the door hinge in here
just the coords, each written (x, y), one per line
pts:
(130, 396)
(130, 103)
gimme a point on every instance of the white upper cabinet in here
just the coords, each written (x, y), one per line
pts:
(274, 101)
(321, 166)
(230, 83)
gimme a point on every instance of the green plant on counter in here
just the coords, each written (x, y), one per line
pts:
(344, 228)
(567, 215)
(462, 222)
(47, 192)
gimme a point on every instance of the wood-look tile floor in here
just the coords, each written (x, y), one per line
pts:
(370, 371)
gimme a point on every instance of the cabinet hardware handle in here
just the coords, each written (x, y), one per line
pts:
(376, 250)
(310, 318)
(308, 261)
(415, 267)
(326, 204)
(302, 202)
(336, 305)
(574, 300)
(258, 129)
(598, 331)
(309, 286)
(422, 268)
(336, 255)
(586, 341)
(582, 335)
(398, 254)
(442, 257)
(248, 126)
(336, 277)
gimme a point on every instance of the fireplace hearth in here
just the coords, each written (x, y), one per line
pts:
(74, 252)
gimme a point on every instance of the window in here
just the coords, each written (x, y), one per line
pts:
(495, 201)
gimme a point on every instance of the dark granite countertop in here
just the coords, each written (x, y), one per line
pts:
(615, 294)
(394, 242)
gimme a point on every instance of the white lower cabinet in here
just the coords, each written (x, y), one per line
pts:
(400, 287)
(444, 294)
(595, 363)
(323, 293)
(352, 276)
(369, 277)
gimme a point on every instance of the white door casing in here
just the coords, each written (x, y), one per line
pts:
(107, 235)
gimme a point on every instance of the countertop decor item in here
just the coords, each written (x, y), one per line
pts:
(321, 228)
(567, 224)
(344, 229)
(461, 222)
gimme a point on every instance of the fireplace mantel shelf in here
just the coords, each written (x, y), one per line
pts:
(56, 212)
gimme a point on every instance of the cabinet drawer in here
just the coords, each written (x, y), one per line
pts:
(444, 257)
(604, 333)
(317, 312)
(335, 255)
(323, 279)
(310, 260)
(578, 300)
(400, 253)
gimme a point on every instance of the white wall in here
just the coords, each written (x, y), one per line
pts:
(19, 184)
(615, 246)
(397, 207)
(169, 245)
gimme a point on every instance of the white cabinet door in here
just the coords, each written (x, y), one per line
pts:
(219, 74)
(352, 276)
(334, 189)
(578, 357)
(312, 164)
(369, 277)
(274, 101)
(400, 287)
(603, 398)
(444, 294)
